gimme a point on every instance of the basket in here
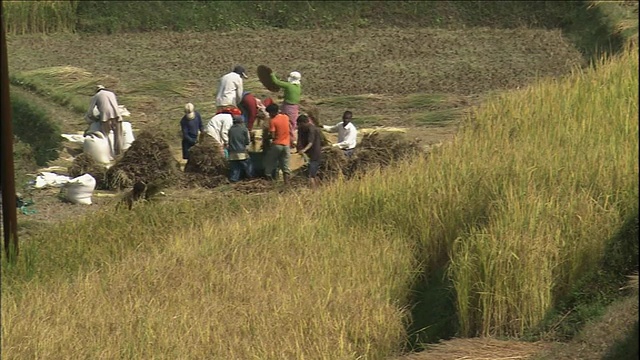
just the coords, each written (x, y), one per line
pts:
(264, 75)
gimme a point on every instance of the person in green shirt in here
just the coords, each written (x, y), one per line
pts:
(291, 104)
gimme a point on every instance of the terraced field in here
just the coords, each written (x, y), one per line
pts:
(386, 76)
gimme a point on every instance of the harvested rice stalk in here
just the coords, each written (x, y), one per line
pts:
(207, 158)
(85, 164)
(149, 159)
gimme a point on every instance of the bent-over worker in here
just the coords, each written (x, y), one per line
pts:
(251, 107)
(219, 125)
(347, 133)
(109, 116)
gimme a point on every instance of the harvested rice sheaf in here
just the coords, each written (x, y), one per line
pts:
(149, 159)
(380, 150)
(333, 163)
(85, 164)
(207, 158)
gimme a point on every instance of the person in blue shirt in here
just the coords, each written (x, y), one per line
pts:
(191, 125)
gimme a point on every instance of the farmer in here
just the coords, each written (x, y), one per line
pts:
(347, 133)
(231, 88)
(266, 136)
(106, 103)
(238, 157)
(279, 152)
(190, 124)
(310, 143)
(251, 108)
(290, 105)
(219, 125)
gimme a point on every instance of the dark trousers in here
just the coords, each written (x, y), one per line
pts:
(237, 167)
(186, 145)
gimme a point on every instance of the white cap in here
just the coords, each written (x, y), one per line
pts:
(189, 110)
(294, 77)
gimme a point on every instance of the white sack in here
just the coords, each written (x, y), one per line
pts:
(45, 179)
(97, 146)
(127, 134)
(79, 190)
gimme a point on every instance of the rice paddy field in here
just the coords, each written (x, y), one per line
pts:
(529, 183)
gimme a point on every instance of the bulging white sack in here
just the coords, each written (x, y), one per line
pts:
(97, 146)
(79, 190)
(127, 133)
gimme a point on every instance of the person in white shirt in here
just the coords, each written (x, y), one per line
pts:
(231, 89)
(347, 133)
(219, 125)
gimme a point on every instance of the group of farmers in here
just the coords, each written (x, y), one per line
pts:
(284, 129)
(237, 111)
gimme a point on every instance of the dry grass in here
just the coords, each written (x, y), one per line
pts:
(268, 290)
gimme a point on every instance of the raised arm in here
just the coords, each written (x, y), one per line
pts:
(279, 83)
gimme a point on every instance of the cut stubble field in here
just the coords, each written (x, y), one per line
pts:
(420, 79)
(399, 75)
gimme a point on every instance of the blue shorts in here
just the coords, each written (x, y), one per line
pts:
(313, 168)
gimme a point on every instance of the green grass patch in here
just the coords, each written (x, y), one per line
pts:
(67, 86)
(424, 101)
(72, 87)
(438, 117)
(35, 128)
(369, 120)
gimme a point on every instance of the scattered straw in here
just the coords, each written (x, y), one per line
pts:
(479, 349)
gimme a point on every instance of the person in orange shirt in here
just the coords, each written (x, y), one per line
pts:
(278, 154)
